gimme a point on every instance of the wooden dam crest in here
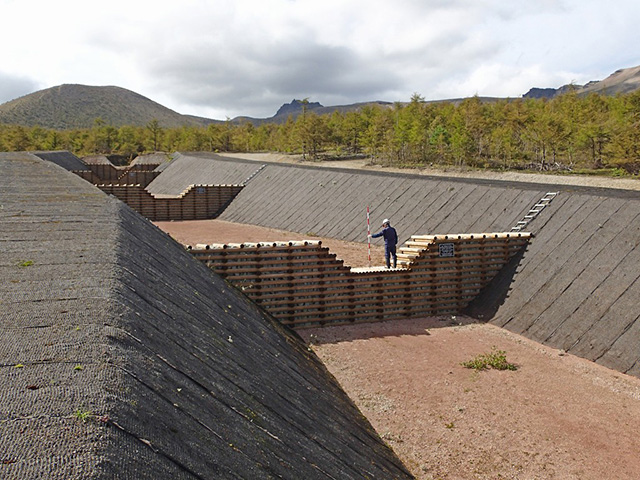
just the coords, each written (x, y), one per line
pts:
(303, 284)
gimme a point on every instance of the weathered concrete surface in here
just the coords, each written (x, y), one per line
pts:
(577, 286)
(332, 203)
(63, 158)
(121, 356)
(200, 169)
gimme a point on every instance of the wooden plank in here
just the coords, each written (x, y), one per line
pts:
(347, 287)
(475, 237)
(312, 310)
(349, 318)
(310, 300)
(346, 284)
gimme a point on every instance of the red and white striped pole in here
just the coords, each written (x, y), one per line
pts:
(368, 237)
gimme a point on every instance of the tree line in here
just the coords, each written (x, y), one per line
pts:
(567, 132)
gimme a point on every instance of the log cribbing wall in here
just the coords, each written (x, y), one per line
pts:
(132, 177)
(302, 284)
(106, 172)
(99, 174)
(198, 202)
(138, 177)
(142, 173)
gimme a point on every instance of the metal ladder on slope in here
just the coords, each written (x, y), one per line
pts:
(533, 213)
(250, 177)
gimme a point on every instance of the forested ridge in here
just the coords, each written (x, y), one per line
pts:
(567, 132)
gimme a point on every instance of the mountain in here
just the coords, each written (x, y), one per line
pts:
(78, 106)
(296, 108)
(625, 80)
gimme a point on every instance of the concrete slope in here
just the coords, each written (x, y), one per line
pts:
(150, 159)
(578, 284)
(333, 202)
(121, 356)
(200, 169)
(63, 158)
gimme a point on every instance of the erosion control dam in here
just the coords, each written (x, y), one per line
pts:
(123, 356)
(575, 287)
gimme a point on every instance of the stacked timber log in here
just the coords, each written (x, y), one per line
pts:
(106, 172)
(198, 202)
(137, 177)
(302, 284)
(109, 174)
(89, 176)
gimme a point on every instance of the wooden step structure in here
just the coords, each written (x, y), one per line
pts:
(198, 202)
(303, 284)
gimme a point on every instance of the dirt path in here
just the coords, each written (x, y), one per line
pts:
(625, 183)
(556, 417)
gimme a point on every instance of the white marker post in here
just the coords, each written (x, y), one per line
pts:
(368, 237)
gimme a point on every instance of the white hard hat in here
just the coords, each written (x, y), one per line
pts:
(386, 220)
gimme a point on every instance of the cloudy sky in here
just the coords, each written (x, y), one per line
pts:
(224, 58)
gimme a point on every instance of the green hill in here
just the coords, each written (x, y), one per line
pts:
(78, 106)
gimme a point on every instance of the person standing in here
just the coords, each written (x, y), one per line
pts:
(390, 241)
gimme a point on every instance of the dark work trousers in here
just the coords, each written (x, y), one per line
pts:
(390, 251)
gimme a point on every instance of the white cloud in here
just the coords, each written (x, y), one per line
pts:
(12, 86)
(222, 58)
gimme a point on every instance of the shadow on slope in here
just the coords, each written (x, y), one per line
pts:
(485, 306)
(136, 361)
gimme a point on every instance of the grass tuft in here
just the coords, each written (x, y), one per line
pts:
(496, 359)
(83, 415)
